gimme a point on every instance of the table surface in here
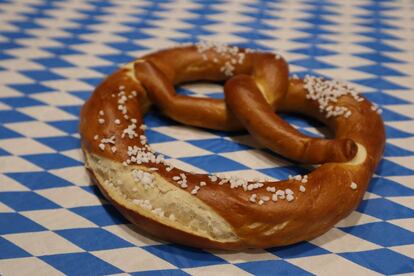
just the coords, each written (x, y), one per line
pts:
(53, 54)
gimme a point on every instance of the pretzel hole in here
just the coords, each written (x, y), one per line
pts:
(201, 89)
(307, 125)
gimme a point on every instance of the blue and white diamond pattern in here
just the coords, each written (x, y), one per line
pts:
(53, 53)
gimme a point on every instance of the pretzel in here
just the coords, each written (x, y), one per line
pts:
(211, 211)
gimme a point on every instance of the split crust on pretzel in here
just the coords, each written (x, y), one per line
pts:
(212, 212)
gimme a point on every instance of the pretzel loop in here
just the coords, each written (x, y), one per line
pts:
(218, 212)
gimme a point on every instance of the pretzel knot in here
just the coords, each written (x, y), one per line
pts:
(229, 213)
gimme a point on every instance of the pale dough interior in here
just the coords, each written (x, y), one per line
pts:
(189, 214)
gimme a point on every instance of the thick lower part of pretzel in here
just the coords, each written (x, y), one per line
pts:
(217, 212)
(248, 104)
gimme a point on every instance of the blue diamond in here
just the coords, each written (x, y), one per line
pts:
(8, 134)
(54, 62)
(61, 143)
(383, 98)
(303, 249)
(385, 187)
(164, 272)
(382, 260)
(24, 201)
(12, 223)
(11, 251)
(312, 63)
(392, 151)
(379, 70)
(21, 102)
(39, 180)
(31, 88)
(273, 267)
(219, 145)
(50, 161)
(385, 209)
(93, 238)
(153, 119)
(80, 264)
(184, 257)
(42, 75)
(12, 116)
(392, 132)
(102, 215)
(70, 126)
(157, 137)
(382, 233)
(389, 168)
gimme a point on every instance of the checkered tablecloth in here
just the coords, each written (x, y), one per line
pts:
(53, 54)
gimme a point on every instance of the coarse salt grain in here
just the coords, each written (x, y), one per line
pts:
(265, 198)
(376, 108)
(288, 192)
(143, 177)
(109, 140)
(130, 131)
(231, 54)
(327, 93)
(280, 194)
(253, 198)
(354, 186)
(223, 181)
(195, 190)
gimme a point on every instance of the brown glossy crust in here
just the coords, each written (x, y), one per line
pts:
(328, 197)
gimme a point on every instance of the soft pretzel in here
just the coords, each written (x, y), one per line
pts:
(229, 213)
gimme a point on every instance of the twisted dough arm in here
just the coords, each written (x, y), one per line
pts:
(248, 104)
